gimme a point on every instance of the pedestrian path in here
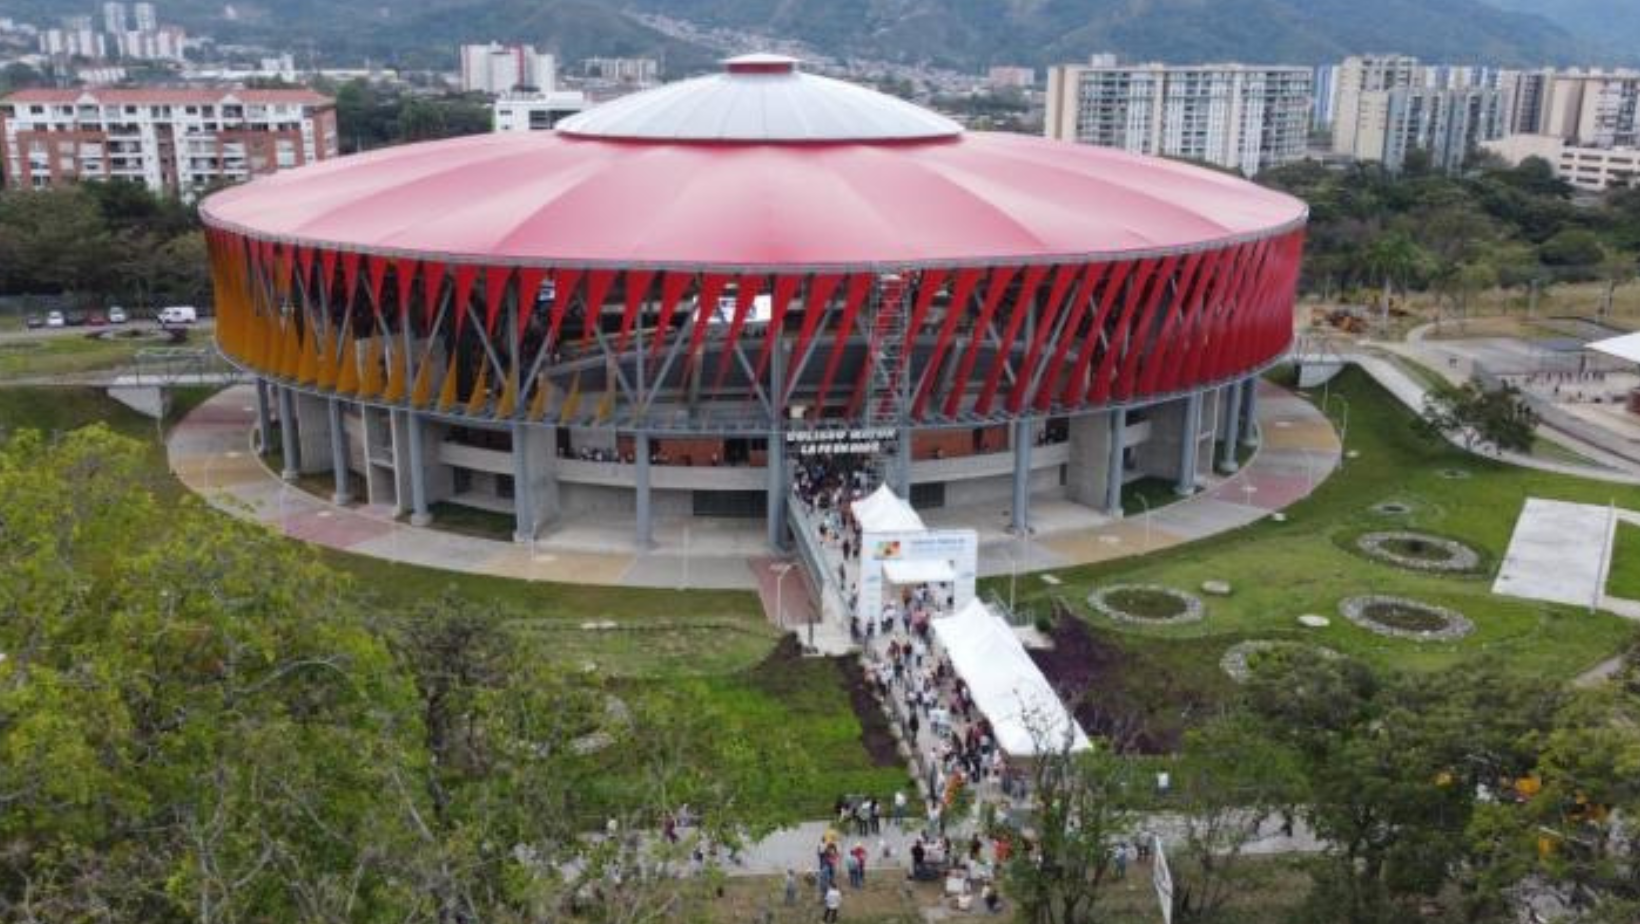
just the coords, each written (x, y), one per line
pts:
(211, 452)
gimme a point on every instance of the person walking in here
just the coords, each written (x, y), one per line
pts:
(899, 809)
(791, 887)
(833, 904)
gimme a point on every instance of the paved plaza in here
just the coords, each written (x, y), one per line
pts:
(211, 452)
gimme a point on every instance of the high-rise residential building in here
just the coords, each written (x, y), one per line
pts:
(114, 18)
(1241, 117)
(1325, 97)
(1526, 96)
(1446, 124)
(147, 18)
(1358, 75)
(637, 72)
(497, 69)
(533, 111)
(178, 140)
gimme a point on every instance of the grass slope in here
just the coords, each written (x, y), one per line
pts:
(1282, 570)
(1624, 578)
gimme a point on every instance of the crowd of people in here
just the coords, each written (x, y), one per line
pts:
(1585, 386)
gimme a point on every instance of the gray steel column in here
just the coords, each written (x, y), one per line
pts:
(290, 445)
(1249, 411)
(646, 528)
(419, 515)
(338, 452)
(264, 418)
(1189, 444)
(1232, 431)
(1115, 464)
(902, 463)
(776, 456)
(523, 495)
(1023, 440)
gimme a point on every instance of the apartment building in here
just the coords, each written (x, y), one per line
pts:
(179, 140)
(497, 69)
(1237, 116)
(1359, 75)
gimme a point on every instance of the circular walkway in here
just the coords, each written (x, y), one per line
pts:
(210, 451)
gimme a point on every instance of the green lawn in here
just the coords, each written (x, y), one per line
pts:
(66, 356)
(1282, 570)
(1624, 578)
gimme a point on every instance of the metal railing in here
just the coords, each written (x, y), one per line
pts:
(822, 584)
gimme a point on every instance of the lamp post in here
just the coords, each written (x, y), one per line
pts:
(1143, 500)
(781, 570)
(1344, 429)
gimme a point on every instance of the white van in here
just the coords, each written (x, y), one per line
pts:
(179, 314)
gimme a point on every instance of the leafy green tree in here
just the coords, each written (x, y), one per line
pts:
(1084, 806)
(1498, 417)
(194, 725)
(1395, 259)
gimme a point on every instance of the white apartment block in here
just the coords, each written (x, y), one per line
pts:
(534, 112)
(1360, 74)
(1241, 117)
(497, 69)
(146, 16)
(174, 140)
(1586, 168)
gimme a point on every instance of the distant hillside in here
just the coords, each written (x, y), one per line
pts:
(1608, 24)
(968, 33)
(964, 34)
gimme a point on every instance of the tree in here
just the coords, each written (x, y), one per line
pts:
(1083, 806)
(1499, 417)
(1395, 258)
(193, 725)
(1233, 780)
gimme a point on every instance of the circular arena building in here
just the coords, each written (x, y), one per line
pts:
(651, 310)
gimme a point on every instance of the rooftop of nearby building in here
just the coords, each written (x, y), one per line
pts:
(158, 96)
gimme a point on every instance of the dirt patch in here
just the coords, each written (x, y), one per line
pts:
(875, 733)
(1117, 693)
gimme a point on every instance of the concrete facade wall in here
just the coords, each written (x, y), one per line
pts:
(313, 432)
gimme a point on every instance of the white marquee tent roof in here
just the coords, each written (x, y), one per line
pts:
(1005, 683)
(882, 511)
(928, 571)
(1624, 347)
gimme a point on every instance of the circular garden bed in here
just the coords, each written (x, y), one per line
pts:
(1419, 551)
(1241, 658)
(1399, 617)
(1147, 604)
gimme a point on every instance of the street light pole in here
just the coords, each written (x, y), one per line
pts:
(1146, 503)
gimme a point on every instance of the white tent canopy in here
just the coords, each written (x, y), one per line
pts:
(1005, 683)
(926, 571)
(1624, 347)
(883, 512)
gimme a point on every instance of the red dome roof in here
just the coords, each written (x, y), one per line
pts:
(554, 199)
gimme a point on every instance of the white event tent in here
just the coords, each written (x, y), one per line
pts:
(1005, 684)
(882, 511)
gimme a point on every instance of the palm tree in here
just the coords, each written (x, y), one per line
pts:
(1393, 257)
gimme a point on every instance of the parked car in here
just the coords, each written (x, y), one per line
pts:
(96, 318)
(178, 314)
(117, 315)
(75, 318)
(56, 319)
(34, 320)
